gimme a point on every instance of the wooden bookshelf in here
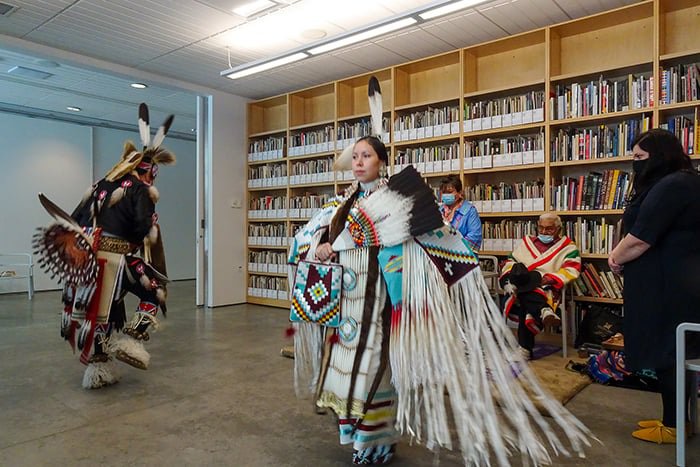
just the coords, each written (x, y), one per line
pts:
(611, 301)
(638, 39)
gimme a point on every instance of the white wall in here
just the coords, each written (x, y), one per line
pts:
(57, 159)
(176, 184)
(38, 156)
(226, 182)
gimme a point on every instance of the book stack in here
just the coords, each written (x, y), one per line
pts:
(268, 175)
(504, 111)
(311, 171)
(428, 159)
(594, 236)
(267, 234)
(267, 207)
(304, 206)
(265, 149)
(602, 96)
(507, 197)
(275, 288)
(349, 132)
(505, 235)
(597, 190)
(680, 83)
(597, 283)
(501, 152)
(267, 261)
(611, 140)
(686, 130)
(312, 141)
(428, 123)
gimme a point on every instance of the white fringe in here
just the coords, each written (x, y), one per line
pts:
(130, 346)
(153, 193)
(426, 362)
(308, 341)
(100, 374)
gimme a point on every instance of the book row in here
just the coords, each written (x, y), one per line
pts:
(680, 83)
(687, 130)
(599, 142)
(596, 282)
(428, 118)
(607, 190)
(503, 106)
(505, 191)
(594, 236)
(602, 96)
(268, 287)
(358, 129)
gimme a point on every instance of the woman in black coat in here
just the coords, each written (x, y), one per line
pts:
(660, 255)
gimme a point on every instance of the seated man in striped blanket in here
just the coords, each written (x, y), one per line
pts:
(534, 276)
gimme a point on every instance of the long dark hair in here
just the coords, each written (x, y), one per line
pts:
(666, 156)
(378, 147)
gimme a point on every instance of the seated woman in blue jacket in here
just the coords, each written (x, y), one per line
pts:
(458, 212)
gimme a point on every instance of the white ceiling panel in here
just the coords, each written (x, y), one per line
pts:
(29, 15)
(371, 56)
(466, 29)
(414, 43)
(578, 8)
(185, 40)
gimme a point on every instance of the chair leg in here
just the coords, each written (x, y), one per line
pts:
(680, 400)
(694, 402)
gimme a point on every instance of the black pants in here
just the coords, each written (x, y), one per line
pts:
(528, 303)
(667, 388)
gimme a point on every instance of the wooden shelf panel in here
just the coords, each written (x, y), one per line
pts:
(679, 105)
(679, 55)
(271, 161)
(514, 129)
(679, 28)
(511, 214)
(351, 95)
(505, 90)
(312, 124)
(277, 131)
(268, 302)
(612, 301)
(600, 117)
(267, 247)
(598, 212)
(602, 160)
(435, 79)
(267, 116)
(424, 141)
(270, 274)
(507, 168)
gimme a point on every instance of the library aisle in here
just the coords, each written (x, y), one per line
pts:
(226, 398)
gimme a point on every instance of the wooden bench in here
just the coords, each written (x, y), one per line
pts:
(14, 266)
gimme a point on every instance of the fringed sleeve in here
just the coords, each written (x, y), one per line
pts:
(449, 337)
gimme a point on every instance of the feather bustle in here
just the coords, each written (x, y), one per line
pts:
(162, 131)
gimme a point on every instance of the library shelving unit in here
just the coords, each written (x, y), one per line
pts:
(536, 122)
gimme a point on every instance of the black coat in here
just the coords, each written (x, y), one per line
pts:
(662, 286)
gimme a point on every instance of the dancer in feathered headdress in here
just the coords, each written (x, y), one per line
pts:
(93, 252)
(417, 323)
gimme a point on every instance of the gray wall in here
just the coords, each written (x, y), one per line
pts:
(62, 160)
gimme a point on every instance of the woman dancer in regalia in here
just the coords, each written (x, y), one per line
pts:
(418, 330)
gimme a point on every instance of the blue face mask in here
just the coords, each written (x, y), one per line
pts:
(546, 238)
(448, 199)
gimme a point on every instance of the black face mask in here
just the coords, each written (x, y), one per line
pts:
(638, 166)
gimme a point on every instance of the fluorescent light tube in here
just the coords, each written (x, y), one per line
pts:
(267, 65)
(251, 8)
(449, 8)
(361, 36)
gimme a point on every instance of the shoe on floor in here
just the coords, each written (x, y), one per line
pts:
(649, 423)
(550, 318)
(656, 434)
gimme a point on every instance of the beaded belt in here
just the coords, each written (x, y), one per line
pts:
(115, 245)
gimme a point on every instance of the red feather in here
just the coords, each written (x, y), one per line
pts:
(334, 339)
(289, 332)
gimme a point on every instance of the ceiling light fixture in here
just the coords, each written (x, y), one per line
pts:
(251, 8)
(449, 8)
(409, 18)
(364, 35)
(138, 85)
(73, 109)
(245, 70)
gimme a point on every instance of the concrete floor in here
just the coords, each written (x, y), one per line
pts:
(219, 394)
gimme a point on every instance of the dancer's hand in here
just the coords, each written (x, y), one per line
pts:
(324, 252)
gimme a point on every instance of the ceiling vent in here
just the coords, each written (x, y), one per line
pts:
(30, 73)
(6, 9)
